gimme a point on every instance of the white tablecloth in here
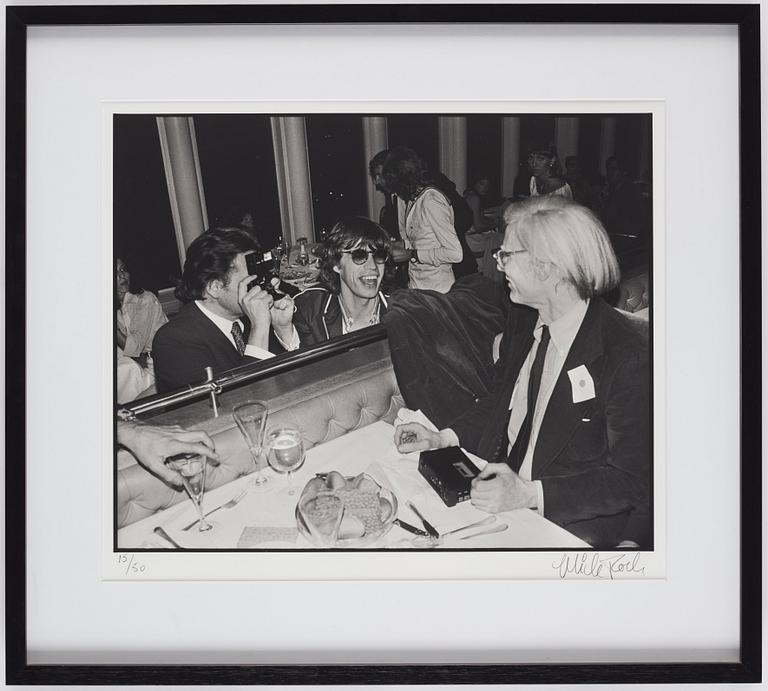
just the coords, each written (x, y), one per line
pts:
(269, 513)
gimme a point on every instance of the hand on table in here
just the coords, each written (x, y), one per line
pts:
(152, 445)
(499, 488)
(413, 436)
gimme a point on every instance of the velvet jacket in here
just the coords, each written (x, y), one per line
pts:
(189, 343)
(592, 457)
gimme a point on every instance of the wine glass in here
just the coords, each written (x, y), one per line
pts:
(192, 468)
(285, 451)
(251, 419)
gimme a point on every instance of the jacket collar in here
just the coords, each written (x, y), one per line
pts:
(562, 413)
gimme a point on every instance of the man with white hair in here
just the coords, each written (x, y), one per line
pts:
(566, 426)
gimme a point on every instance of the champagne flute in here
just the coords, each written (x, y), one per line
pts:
(251, 419)
(285, 451)
(192, 468)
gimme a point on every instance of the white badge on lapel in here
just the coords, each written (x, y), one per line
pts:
(582, 385)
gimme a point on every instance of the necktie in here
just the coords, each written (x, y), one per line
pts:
(237, 334)
(519, 448)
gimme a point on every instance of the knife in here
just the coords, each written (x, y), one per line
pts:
(427, 525)
(409, 528)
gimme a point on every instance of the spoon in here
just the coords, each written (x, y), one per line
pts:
(165, 536)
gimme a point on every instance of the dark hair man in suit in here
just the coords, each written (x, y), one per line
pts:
(566, 425)
(223, 323)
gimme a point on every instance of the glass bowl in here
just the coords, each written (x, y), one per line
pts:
(369, 509)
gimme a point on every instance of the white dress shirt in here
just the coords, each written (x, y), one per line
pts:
(562, 332)
(225, 326)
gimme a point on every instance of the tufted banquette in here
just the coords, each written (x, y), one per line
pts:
(326, 400)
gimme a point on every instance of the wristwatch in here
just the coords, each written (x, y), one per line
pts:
(414, 256)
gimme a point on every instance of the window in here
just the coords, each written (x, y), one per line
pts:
(238, 168)
(417, 132)
(484, 152)
(338, 169)
(143, 226)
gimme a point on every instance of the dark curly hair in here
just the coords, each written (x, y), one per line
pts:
(348, 234)
(405, 172)
(210, 258)
(377, 160)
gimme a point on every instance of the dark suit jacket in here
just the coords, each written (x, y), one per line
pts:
(189, 343)
(318, 315)
(592, 457)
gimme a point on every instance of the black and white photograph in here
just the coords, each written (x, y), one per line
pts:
(383, 344)
(407, 331)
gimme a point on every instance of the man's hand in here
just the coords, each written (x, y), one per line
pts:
(152, 445)
(415, 437)
(398, 252)
(256, 305)
(282, 314)
(504, 492)
(282, 319)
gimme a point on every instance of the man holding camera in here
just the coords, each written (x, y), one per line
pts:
(225, 321)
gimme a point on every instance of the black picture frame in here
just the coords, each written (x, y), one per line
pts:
(746, 17)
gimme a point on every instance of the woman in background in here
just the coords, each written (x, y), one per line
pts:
(139, 316)
(546, 173)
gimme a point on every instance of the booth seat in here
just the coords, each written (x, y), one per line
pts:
(327, 414)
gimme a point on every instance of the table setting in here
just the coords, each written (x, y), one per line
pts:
(353, 492)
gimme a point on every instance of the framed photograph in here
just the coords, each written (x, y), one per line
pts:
(304, 335)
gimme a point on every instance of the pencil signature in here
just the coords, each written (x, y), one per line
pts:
(596, 566)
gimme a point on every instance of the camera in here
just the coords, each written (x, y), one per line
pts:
(261, 266)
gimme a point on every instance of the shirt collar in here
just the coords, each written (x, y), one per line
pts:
(563, 330)
(224, 324)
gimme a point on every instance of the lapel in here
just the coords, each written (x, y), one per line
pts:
(519, 335)
(332, 316)
(219, 343)
(562, 414)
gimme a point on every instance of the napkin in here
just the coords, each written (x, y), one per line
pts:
(408, 484)
(254, 536)
(401, 475)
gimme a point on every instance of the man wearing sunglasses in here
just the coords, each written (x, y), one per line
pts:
(353, 262)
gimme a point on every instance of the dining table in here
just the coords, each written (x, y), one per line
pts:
(252, 518)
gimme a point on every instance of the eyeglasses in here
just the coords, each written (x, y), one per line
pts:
(360, 256)
(501, 256)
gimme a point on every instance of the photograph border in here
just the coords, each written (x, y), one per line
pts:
(745, 17)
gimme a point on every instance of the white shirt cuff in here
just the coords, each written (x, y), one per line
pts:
(539, 497)
(449, 437)
(294, 342)
(258, 353)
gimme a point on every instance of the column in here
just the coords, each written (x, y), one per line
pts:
(510, 154)
(289, 136)
(452, 143)
(566, 138)
(185, 183)
(374, 140)
(607, 140)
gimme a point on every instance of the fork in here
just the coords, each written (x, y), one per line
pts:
(228, 505)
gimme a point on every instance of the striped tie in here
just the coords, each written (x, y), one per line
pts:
(237, 334)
